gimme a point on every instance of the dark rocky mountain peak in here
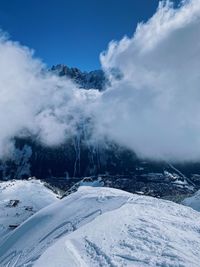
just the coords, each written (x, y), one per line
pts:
(88, 80)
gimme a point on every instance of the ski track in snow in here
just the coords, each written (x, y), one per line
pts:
(105, 227)
(144, 232)
(30, 240)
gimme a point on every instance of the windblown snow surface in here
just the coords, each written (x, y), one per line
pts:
(142, 232)
(19, 199)
(106, 227)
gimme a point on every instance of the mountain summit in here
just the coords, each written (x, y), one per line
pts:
(88, 80)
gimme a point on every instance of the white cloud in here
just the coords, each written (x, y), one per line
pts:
(34, 101)
(155, 108)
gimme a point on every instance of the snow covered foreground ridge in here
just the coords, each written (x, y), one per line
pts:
(106, 227)
(20, 199)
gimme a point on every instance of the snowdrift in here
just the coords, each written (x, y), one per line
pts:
(20, 199)
(106, 227)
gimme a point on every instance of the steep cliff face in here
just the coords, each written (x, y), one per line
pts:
(106, 164)
(75, 158)
(88, 80)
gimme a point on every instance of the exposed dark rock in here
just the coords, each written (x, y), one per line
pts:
(88, 80)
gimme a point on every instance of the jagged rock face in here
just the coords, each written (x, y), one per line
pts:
(66, 165)
(75, 158)
(88, 80)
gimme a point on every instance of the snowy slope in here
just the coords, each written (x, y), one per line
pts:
(106, 227)
(19, 199)
(30, 240)
(142, 232)
(193, 201)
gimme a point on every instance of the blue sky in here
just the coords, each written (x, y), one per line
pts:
(72, 32)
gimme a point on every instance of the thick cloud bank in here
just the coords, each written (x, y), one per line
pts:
(32, 101)
(155, 107)
(151, 106)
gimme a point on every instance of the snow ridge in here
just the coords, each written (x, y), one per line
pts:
(20, 199)
(97, 227)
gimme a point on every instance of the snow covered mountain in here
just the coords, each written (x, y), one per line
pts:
(106, 227)
(66, 165)
(21, 199)
(88, 80)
